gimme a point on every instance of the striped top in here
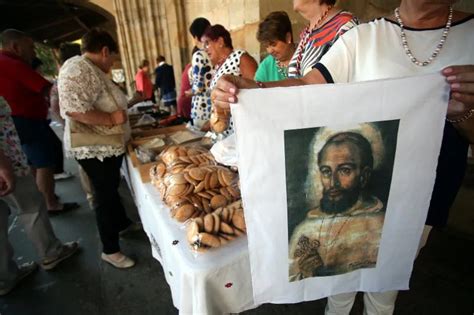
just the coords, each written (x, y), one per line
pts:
(318, 43)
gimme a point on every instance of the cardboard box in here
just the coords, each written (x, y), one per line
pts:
(138, 134)
(143, 137)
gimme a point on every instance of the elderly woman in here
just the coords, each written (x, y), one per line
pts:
(276, 35)
(226, 60)
(326, 24)
(402, 40)
(89, 99)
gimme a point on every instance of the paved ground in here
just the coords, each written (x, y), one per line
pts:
(442, 282)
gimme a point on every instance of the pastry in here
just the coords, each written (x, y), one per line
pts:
(209, 223)
(218, 201)
(225, 228)
(209, 240)
(184, 212)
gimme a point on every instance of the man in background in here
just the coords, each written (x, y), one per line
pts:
(27, 92)
(164, 81)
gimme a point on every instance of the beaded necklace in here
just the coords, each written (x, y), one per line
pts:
(438, 48)
(282, 68)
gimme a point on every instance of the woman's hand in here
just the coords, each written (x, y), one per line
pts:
(118, 117)
(206, 127)
(188, 93)
(7, 176)
(227, 88)
(461, 81)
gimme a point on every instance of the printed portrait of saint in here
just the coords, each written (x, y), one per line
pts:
(342, 232)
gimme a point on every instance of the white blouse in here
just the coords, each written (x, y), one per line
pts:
(374, 51)
(82, 86)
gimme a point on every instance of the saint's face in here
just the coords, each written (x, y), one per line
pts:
(340, 168)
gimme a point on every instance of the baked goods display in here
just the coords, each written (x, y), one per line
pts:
(177, 154)
(198, 191)
(195, 191)
(217, 228)
(219, 119)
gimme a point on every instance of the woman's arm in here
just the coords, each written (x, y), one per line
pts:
(248, 66)
(227, 87)
(97, 117)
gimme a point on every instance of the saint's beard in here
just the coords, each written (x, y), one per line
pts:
(347, 199)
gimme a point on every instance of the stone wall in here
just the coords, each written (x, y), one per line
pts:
(147, 29)
(239, 17)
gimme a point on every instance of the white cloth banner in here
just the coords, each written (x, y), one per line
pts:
(336, 182)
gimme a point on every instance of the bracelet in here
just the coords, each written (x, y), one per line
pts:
(260, 84)
(463, 118)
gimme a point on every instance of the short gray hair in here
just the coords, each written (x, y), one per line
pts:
(11, 35)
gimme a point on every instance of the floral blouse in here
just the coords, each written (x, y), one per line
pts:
(10, 142)
(82, 87)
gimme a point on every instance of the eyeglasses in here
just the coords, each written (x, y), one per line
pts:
(206, 44)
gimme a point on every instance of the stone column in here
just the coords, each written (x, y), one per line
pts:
(148, 28)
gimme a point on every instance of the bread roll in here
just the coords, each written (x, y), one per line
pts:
(209, 240)
(197, 173)
(218, 201)
(184, 212)
(192, 232)
(209, 223)
(225, 228)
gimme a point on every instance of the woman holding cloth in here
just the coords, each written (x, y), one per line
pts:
(89, 98)
(421, 36)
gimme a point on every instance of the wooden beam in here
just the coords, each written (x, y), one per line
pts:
(65, 35)
(56, 22)
(84, 26)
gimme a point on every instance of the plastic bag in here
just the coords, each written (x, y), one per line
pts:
(145, 155)
(216, 229)
(225, 151)
(146, 119)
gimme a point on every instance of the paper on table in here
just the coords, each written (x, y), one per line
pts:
(336, 182)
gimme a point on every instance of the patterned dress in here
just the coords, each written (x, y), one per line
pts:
(317, 42)
(201, 75)
(230, 66)
(10, 142)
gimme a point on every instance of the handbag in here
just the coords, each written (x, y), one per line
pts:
(88, 135)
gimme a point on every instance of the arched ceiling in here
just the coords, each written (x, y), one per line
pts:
(52, 21)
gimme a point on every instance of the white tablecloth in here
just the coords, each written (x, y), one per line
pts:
(214, 282)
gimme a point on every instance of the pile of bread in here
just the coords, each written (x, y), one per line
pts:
(217, 228)
(219, 119)
(195, 188)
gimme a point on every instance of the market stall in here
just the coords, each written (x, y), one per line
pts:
(214, 281)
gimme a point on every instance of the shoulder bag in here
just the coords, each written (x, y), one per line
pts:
(83, 135)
